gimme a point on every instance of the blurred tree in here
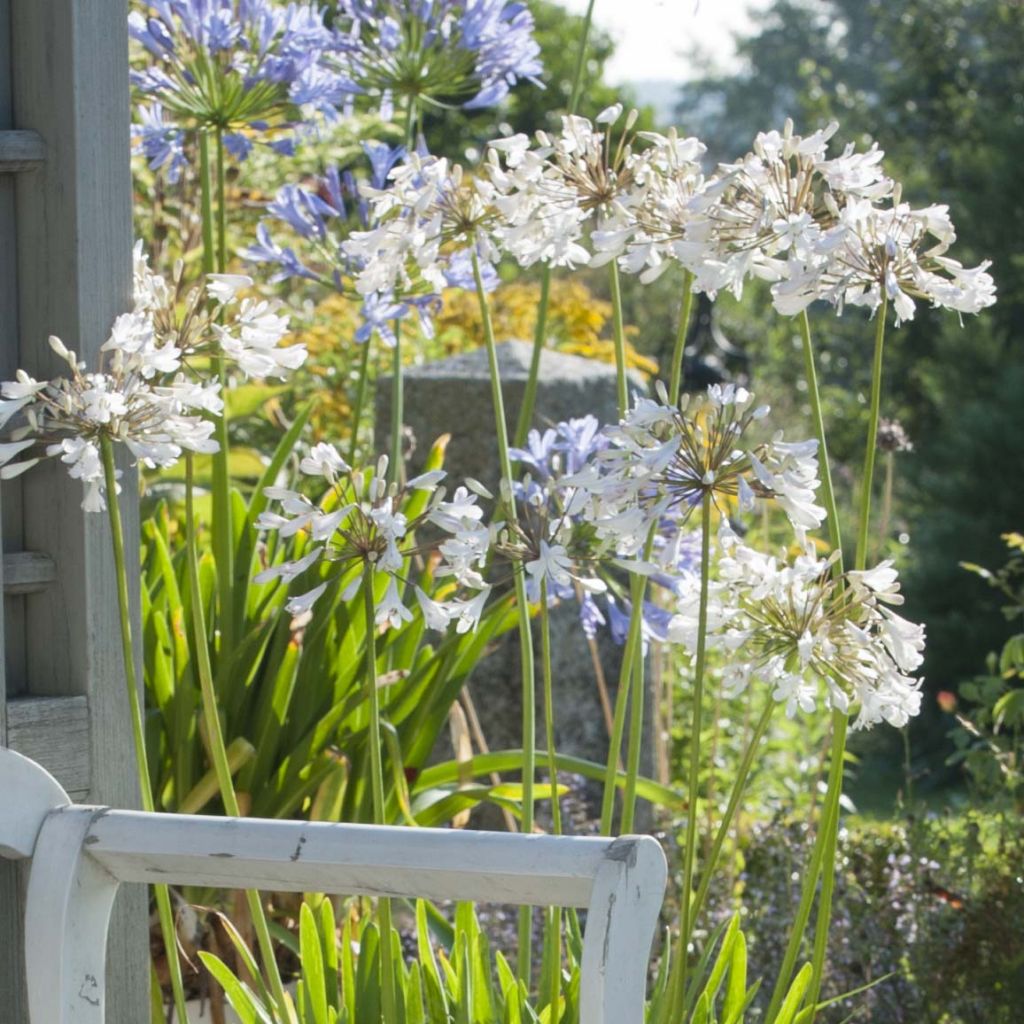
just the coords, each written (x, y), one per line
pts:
(940, 85)
(530, 107)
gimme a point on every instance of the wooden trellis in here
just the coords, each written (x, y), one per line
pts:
(65, 258)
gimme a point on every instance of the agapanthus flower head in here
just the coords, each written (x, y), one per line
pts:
(242, 67)
(674, 182)
(424, 226)
(211, 319)
(362, 523)
(665, 460)
(156, 418)
(318, 216)
(443, 52)
(773, 205)
(894, 253)
(589, 176)
(796, 627)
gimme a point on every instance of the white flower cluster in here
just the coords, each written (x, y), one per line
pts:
(792, 625)
(816, 226)
(424, 222)
(665, 459)
(359, 524)
(211, 321)
(142, 396)
(73, 414)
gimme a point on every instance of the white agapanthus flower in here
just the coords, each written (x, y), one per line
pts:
(428, 217)
(893, 252)
(360, 524)
(793, 626)
(584, 180)
(664, 460)
(72, 415)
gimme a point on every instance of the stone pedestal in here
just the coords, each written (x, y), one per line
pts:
(453, 396)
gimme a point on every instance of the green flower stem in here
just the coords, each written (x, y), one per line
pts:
(676, 377)
(742, 774)
(161, 892)
(206, 203)
(636, 718)
(549, 706)
(686, 910)
(222, 213)
(214, 256)
(525, 634)
(867, 477)
(387, 977)
(827, 491)
(540, 330)
(397, 408)
(840, 720)
(357, 412)
(823, 852)
(828, 873)
(554, 930)
(215, 736)
(530, 391)
(622, 387)
(825, 838)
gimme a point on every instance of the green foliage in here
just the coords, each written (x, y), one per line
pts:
(339, 978)
(929, 915)
(291, 694)
(990, 740)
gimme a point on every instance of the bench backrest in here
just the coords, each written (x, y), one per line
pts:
(80, 855)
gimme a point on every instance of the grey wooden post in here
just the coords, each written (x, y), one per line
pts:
(65, 262)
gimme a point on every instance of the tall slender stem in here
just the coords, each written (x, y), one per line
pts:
(827, 491)
(397, 408)
(206, 203)
(222, 209)
(840, 721)
(621, 384)
(387, 976)
(679, 352)
(523, 608)
(638, 694)
(549, 706)
(693, 782)
(215, 736)
(165, 912)
(813, 870)
(214, 260)
(867, 477)
(739, 785)
(360, 402)
(554, 930)
(540, 330)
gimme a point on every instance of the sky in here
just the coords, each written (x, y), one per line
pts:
(651, 35)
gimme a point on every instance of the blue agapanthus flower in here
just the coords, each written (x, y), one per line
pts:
(442, 52)
(250, 69)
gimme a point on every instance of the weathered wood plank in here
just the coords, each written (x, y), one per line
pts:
(27, 572)
(69, 65)
(21, 151)
(55, 732)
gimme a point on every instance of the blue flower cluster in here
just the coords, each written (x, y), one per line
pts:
(260, 69)
(469, 52)
(241, 66)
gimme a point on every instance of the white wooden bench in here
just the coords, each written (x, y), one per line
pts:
(80, 855)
